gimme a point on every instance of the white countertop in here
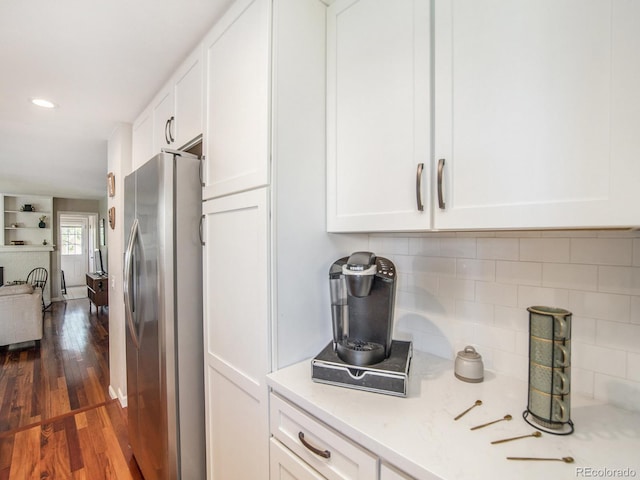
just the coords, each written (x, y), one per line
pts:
(419, 435)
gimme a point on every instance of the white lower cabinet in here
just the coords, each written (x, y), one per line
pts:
(387, 472)
(304, 448)
(236, 335)
(286, 465)
(329, 453)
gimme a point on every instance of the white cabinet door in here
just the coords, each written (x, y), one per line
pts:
(236, 334)
(391, 473)
(142, 139)
(237, 90)
(285, 465)
(163, 120)
(536, 105)
(189, 100)
(378, 115)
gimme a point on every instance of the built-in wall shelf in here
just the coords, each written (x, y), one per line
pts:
(20, 227)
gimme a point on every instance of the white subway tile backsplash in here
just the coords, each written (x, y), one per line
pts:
(434, 265)
(426, 247)
(512, 318)
(617, 391)
(623, 280)
(474, 312)
(522, 345)
(493, 337)
(600, 305)
(471, 288)
(599, 359)
(621, 336)
(564, 275)
(458, 247)
(497, 293)
(554, 250)
(635, 310)
(549, 297)
(513, 365)
(420, 283)
(475, 269)
(498, 248)
(601, 251)
(519, 273)
(582, 381)
(395, 245)
(583, 329)
(633, 367)
(458, 288)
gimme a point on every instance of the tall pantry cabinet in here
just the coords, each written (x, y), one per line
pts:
(266, 252)
(236, 242)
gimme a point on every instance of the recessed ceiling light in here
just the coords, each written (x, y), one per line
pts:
(41, 102)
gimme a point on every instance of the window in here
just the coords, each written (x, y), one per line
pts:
(71, 240)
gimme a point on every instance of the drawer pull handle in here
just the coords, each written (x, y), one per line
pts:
(317, 451)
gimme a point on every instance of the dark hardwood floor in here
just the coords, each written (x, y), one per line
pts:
(57, 420)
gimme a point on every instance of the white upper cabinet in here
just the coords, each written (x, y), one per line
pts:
(189, 100)
(237, 87)
(142, 139)
(174, 118)
(378, 115)
(537, 112)
(163, 120)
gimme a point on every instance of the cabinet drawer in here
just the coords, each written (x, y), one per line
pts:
(286, 465)
(335, 457)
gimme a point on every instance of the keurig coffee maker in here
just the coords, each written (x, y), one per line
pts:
(362, 354)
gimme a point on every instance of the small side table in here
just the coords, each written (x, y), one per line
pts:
(98, 290)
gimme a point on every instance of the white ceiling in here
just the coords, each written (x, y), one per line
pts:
(101, 61)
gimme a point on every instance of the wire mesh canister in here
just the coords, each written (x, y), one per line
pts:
(549, 395)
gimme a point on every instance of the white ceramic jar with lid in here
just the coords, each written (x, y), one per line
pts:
(468, 365)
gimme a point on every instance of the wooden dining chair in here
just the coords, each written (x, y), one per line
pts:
(38, 278)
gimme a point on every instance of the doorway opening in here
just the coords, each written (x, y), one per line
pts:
(78, 242)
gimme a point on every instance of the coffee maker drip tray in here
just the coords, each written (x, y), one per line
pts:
(390, 376)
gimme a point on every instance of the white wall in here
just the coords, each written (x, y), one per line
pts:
(18, 264)
(474, 288)
(303, 250)
(118, 162)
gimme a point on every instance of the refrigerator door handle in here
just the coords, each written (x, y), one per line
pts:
(128, 292)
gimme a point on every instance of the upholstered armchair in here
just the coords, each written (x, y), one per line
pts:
(20, 314)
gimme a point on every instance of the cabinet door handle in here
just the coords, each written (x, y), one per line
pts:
(440, 175)
(317, 451)
(172, 121)
(166, 131)
(419, 187)
(200, 234)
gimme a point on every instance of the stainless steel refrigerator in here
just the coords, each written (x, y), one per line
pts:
(163, 310)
